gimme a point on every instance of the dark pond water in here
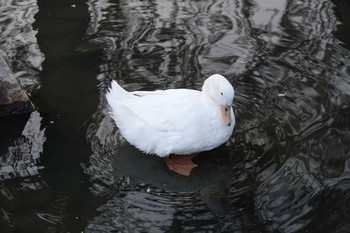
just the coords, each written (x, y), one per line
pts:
(286, 168)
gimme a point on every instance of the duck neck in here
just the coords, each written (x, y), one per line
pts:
(207, 99)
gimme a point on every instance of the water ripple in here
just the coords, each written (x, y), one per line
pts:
(18, 40)
(289, 153)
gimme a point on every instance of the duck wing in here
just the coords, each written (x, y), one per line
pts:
(160, 122)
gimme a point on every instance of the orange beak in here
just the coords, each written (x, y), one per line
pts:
(226, 115)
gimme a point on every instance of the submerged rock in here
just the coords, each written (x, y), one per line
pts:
(13, 99)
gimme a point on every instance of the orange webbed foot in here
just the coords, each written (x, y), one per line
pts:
(181, 164)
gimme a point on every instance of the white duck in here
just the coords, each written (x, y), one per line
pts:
(175, 123)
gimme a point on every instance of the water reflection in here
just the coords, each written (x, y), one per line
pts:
(22, 186)
(23, 156)
(290, 149)
(18, 40)
(173, 43)
(285, 169)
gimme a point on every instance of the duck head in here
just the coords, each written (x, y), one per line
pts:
(220, 90)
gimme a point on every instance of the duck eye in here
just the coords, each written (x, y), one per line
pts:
(221, 93)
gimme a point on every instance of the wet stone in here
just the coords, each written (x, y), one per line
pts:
(13, 100)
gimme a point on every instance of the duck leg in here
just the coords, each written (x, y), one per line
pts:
(181, 164)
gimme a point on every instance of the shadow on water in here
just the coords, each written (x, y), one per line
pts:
(66, 168)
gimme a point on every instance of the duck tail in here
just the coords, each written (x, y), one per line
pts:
(115, 94)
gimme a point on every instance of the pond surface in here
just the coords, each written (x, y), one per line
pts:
(286, 168)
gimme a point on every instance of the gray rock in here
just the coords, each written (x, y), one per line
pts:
(13, 100)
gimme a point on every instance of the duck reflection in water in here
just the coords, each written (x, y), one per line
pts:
(130, 162)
